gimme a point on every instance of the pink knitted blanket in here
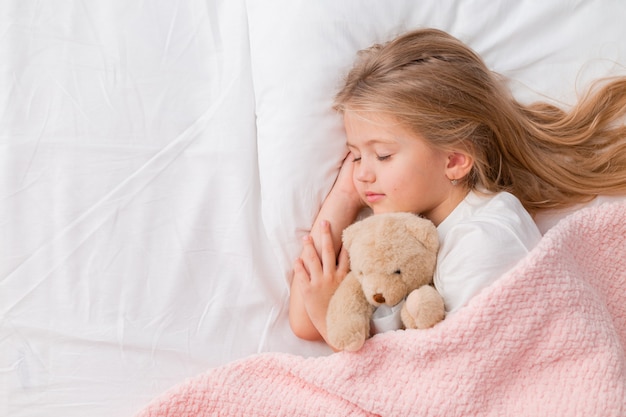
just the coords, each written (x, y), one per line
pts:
(548, 339)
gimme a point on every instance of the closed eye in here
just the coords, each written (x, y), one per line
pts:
(397, 272)
(383, 157)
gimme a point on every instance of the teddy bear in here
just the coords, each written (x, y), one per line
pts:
(392, 257)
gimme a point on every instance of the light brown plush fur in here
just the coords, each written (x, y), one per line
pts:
(392, 256)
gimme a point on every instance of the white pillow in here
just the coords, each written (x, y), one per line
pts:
(301, 51)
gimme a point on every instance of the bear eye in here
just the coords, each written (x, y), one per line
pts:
(397, 271)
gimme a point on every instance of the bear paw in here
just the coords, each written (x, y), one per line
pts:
(423, 308)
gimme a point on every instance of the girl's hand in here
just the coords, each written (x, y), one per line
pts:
(319, 278)
(317, 272)
(344, 184)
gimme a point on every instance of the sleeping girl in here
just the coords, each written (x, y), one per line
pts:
(432, 131)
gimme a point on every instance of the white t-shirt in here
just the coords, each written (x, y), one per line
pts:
(483, 237)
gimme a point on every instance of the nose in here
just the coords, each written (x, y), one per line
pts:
(363, 172)
(379, 298)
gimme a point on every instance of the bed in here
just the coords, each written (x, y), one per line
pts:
(161, 160)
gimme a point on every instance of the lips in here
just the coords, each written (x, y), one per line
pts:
(371, 197)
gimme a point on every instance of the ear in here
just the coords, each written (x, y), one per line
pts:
(425, 232)
(458, 166)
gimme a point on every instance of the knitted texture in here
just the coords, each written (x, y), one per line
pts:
(548, 338)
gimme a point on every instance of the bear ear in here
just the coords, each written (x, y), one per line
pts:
(425, 231)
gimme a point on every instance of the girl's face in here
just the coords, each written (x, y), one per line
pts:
(395, 170)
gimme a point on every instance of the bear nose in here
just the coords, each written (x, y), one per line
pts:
(378, 297)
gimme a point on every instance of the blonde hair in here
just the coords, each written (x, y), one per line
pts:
(437, 87)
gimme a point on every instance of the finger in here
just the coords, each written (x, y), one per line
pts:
(328, 249)
(310, 258)
(300, 272)
(343, 263)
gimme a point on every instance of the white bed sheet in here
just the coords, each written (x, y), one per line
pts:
(132, 250)
(160, 160)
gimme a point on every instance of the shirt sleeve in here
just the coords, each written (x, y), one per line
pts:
(474, 255)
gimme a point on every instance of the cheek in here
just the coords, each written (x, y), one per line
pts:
(401, 183)
(358, 185)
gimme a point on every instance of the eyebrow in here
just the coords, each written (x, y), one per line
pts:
(373, 141)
